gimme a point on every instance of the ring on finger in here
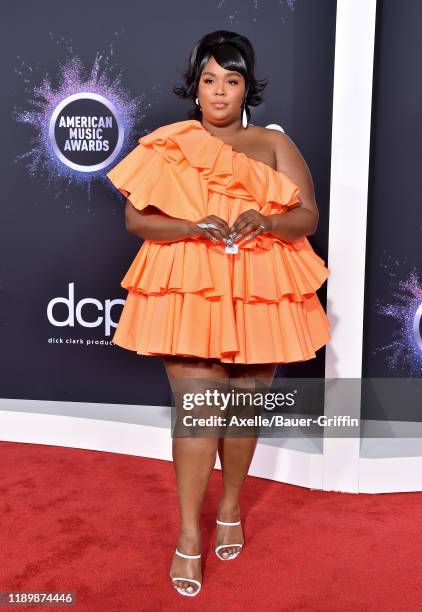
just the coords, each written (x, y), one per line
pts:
(255, 233)
(206, 225)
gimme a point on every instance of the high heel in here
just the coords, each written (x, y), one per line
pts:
(233, 555)
(181, 590)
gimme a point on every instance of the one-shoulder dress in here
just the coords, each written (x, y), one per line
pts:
(191, 298)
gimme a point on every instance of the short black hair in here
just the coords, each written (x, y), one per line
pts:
(230, 50)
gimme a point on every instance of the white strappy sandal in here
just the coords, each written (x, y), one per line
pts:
(181, 590)
(233, 555)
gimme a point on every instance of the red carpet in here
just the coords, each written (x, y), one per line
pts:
(105, 525)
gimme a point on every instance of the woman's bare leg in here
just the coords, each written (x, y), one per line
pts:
(236, 456)
(194, 459)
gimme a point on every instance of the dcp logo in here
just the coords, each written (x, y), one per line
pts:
(74, 310)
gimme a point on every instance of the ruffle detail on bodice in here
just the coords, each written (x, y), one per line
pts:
(180, 168)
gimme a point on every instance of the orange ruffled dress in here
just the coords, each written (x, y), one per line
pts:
(191, 298)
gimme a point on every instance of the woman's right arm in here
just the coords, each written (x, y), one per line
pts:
(151, 224)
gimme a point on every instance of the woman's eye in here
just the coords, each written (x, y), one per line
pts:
(210, 80)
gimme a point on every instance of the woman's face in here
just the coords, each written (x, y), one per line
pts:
(218, 85)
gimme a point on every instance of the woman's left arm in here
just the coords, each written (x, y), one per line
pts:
(302, 220)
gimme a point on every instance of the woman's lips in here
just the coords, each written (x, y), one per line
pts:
(219, 104)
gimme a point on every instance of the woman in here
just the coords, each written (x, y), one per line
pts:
(224, 284)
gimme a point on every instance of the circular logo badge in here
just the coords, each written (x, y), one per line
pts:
(86, 132)
(417, 326)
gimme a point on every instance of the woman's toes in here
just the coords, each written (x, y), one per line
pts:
(229, 551)
(186, 586)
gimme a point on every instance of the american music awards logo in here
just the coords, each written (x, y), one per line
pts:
(403, 350)
(417, 327)
(80, 126)
(86, 132)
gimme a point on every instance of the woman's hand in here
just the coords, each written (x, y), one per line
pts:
(211, 227)
(247, 222)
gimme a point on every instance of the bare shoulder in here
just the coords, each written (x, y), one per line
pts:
(256, 143)
(290, 160)
(259, 135)
(285, 149)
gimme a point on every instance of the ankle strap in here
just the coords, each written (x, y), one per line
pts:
(224, 523)
(187, 556)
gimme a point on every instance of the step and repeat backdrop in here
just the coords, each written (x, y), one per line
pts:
(393, 284)
(63, 241)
